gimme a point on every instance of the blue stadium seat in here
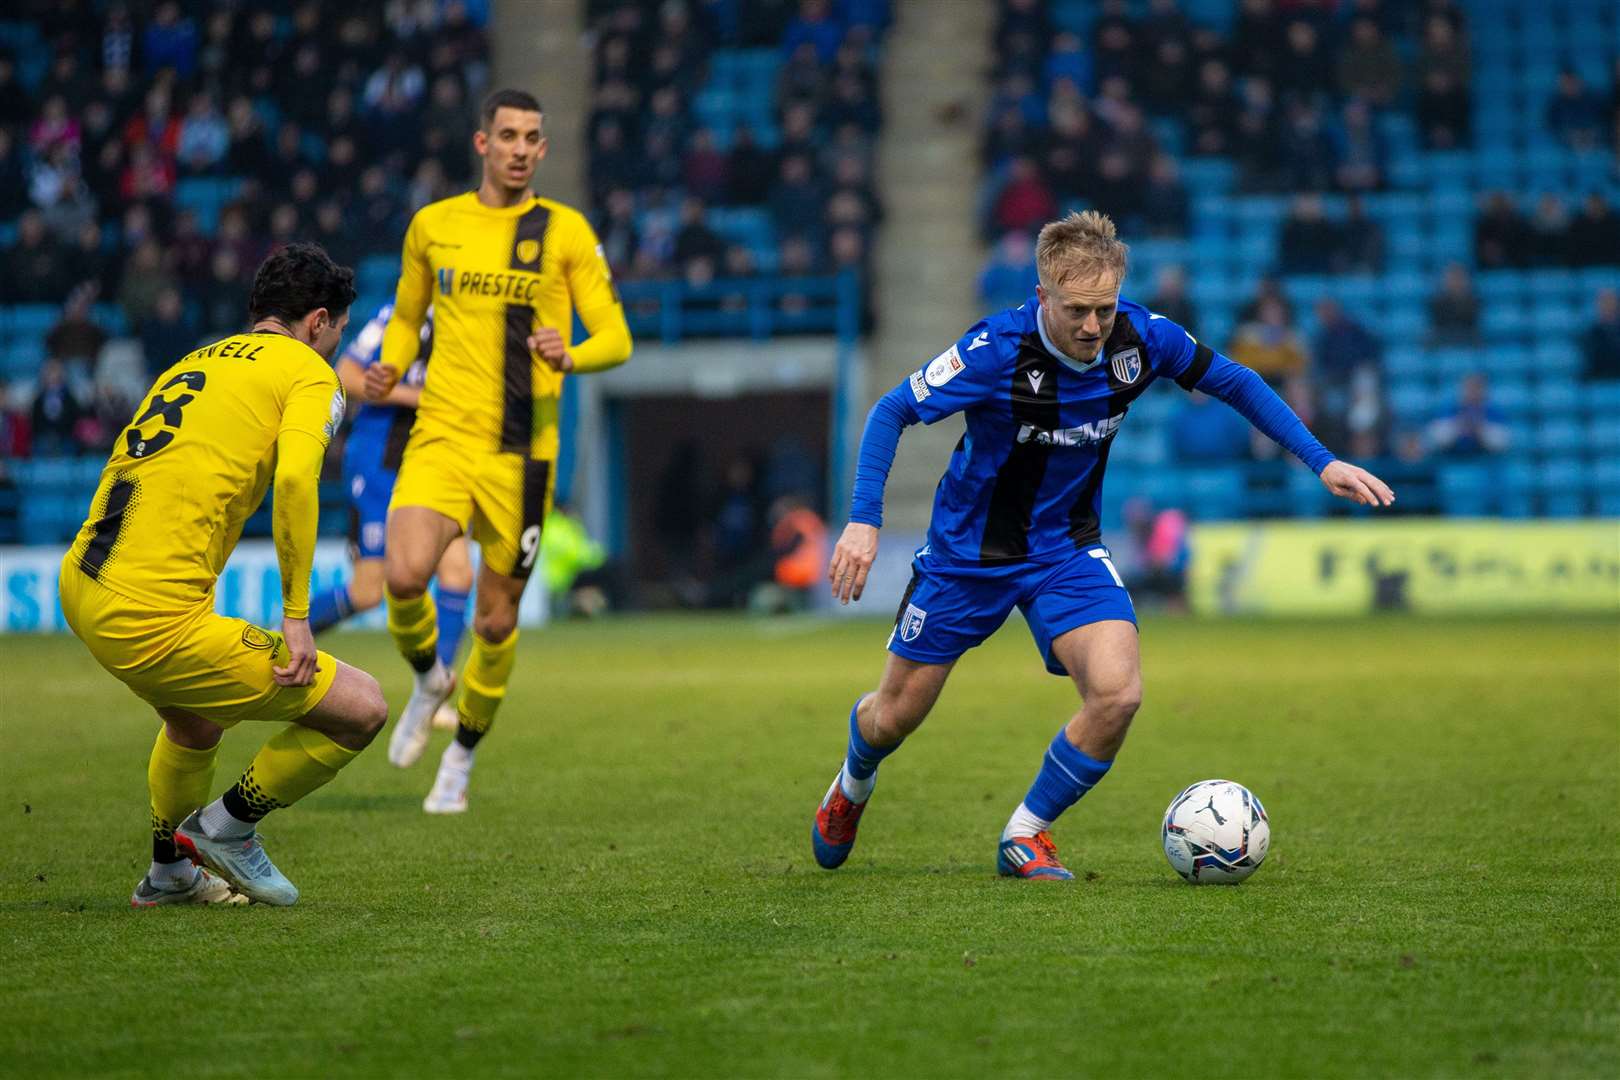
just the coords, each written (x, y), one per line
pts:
(1557, 397)
(1558, 436)
(1602, 434)
(1466, 488)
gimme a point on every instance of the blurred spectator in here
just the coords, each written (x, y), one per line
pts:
(1304, 70)
(1342, 346)
(1601, 342)
(1008, 277)
(1211, 113)
(1501, 235)
(223, 297)
(1170, 297)
(13, 177)
(612, 163)
(1362, 248)
(1445, 112)
(694, 239)
(1165, 205)
(1269, 290)
(1576, 113)
(1255, 136)
(1025, 202)
(169, 334)
(795, 201)
(749, 169)
(170, 41)
(1454, 309)
(75, 337)
(60, 192)
(1474, 427)
(1203, 430)
(704, 169)
(146, 275)
(1310, 160)
(395, 89)
(90, 264)
(1361, 154)
(16, 428)
(36, 265)
(1550, 239)
(1309, 242)
(1595, 233)
(1370, 66)
(815, 24)
(205, 138)
(147, 176)
(1269, 343)
(56, 412)
(15, 107)
(1445, 49)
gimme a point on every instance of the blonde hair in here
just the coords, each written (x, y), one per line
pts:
(1082, 245)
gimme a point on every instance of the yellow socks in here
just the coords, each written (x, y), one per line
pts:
(483, 685)
(178, 779)
(415, 626)
(291, 764)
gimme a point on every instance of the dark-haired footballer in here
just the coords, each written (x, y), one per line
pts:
(137, 585)
(505, 272)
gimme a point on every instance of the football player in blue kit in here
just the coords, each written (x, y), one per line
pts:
(1015, 521)
(371, 458)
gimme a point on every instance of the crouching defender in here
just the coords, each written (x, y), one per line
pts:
(1015, 521)
(137, 585)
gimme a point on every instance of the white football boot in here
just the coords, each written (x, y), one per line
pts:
(433, 688)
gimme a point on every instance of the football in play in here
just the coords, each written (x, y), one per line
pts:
(1216, 833)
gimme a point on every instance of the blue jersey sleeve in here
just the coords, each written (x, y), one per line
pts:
(1174, 353)
(888, 418)
(968, 373)
(367, 344)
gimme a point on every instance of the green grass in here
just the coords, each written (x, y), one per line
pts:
(633, 894)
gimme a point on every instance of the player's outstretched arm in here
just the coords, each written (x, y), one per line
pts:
(1352, 482)
(857, 548)
(402, 337)
(292, 524)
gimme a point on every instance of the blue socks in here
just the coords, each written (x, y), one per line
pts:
(860, 761)
(1067, 772)
(328, 608)
(452, 607)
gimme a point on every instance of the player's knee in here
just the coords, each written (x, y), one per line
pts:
(403, 584)
(495, 626)
(371, 713)
(1119, 703)
(365, 595)
(894, 716)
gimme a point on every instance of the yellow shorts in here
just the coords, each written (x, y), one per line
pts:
(505, 496)
(196, 659)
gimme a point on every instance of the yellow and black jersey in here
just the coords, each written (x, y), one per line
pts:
(193, 465)
(495, 275)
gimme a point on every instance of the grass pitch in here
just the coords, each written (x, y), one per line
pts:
(632, 892)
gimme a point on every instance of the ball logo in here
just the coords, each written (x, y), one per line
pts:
(911, 623)
(1127, 365)
(944, 367)
(527, 251)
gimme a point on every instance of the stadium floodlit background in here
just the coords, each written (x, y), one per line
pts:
(1405, 215)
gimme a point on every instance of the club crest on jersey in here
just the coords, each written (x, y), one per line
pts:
(944, 367)
(911, 623)
(527, 251)
(1127, 365)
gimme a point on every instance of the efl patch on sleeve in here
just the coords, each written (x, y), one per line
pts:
(919, 387)
(944, 367)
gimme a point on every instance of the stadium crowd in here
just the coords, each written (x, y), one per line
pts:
(162, 150)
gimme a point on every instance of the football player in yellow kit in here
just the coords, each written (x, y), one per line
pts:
(137, 585)
(505, 271)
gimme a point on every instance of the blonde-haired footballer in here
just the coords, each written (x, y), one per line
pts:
(505, 271)
(137, 585)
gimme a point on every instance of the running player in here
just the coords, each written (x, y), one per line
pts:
(505, 271)
(371, 457)
(1015, 522)
(137, 585)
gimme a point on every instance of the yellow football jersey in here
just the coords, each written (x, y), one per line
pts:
(194, 464)
(495, 275)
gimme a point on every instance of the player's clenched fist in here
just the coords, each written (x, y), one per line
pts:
(380, 380)
(852, 561)
(548, 344)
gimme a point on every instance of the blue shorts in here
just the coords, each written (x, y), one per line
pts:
(947, 610)
(370, 485)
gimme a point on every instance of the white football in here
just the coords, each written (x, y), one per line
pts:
(1216, 833)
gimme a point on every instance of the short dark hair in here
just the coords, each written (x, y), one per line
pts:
(296, 280)
(507, 99)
